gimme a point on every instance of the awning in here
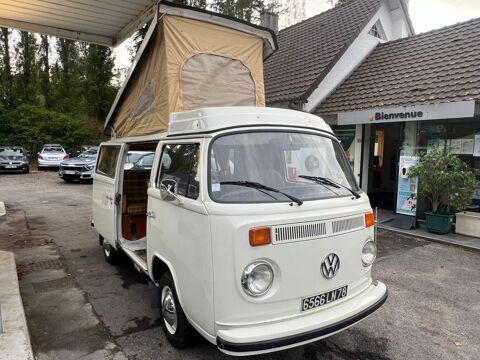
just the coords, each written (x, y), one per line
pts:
(103, 22)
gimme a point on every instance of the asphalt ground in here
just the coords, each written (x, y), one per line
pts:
(80, 307)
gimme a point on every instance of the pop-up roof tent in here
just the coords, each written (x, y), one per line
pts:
(190, 58)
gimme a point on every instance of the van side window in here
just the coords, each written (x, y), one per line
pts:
(180, 163)
(107, 160)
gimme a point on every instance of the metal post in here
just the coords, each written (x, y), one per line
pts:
(1, 321)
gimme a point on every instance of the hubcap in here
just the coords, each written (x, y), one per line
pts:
(169, 310)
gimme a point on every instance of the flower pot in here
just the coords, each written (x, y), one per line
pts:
(439, 223)
(468, 223)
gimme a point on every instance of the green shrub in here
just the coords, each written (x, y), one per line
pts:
(32, 126)
(445, 181)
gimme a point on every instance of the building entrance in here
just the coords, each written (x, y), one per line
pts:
(385, 150)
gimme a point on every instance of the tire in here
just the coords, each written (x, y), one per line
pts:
(175, 325)
(111, 255)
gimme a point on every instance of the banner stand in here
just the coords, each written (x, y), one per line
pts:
(407, 187)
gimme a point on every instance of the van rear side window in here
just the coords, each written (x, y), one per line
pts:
(107, 160)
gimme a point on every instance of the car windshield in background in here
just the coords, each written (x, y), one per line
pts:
(53, 149)
(11, 151)
(145, 160)
(89, 154)
(279, 160)
(133, 157)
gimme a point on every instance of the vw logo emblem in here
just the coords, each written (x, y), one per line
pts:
(330, 265)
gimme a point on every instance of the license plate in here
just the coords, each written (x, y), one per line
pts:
(69, 172)
(10, 166)
(313, 302)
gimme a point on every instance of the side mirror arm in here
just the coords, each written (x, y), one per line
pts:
(171, 193)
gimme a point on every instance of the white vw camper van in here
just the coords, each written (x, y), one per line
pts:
(249, 223)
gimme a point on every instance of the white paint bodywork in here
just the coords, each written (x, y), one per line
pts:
(205, 244)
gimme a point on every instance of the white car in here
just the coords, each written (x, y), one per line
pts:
(51, 156)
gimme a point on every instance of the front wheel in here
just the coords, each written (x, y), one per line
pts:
(177, 329)
(111, 255)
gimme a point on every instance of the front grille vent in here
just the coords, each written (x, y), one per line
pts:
(343, 225)
(299, 232)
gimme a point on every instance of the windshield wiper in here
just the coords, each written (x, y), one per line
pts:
(258, 186)
(329, 182)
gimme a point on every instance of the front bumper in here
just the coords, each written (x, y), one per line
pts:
(259, 339)
(87, 175)
(49, 163)
(14, 167)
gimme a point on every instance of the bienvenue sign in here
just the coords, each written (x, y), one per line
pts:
(452, 110)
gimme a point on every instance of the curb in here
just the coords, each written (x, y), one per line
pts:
(430, 238)
(14, 337)
(3, 211)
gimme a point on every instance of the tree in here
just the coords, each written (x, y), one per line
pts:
(248, 10)
(337, 2)
(26, 78)
(6, 78)
(66, 77)
(99, 92)
(291, 12)
(44, 70)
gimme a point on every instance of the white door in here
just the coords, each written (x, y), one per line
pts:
(106, 197)
(178, 227)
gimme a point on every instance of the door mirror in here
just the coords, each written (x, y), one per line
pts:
(168, 190)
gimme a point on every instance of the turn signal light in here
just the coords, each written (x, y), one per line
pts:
(369, 219)
(260, 236)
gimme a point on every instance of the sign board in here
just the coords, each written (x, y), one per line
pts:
(407, 187)
(451, 110)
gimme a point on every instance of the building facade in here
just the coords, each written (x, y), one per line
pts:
(389, 94)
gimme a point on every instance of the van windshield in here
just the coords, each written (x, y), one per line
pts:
(296, 164)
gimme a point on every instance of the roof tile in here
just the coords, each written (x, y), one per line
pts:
(308, 49)
(439, 66)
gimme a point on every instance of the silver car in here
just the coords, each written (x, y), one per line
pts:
(13, 158)
(51, 156)
(80, 167)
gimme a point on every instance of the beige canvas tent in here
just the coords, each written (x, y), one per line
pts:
(190, 59)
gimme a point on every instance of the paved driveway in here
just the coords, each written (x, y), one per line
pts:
(78, 306)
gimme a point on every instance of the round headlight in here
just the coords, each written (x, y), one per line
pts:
(369, 253)
(257, 278)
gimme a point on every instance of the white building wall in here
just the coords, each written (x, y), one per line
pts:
(394, 26)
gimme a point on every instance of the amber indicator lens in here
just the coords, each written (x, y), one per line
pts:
(369, 219)
(260, 236)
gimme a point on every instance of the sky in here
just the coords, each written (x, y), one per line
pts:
(426, 15)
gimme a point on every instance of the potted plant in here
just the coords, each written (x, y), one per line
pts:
(447, 183)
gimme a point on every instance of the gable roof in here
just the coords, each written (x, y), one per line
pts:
(308, 50)
(434, 67)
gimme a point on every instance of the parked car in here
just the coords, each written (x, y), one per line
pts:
(145, 162)
(51, 156)
(80, 167)
(133, 157)
(14, 158)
